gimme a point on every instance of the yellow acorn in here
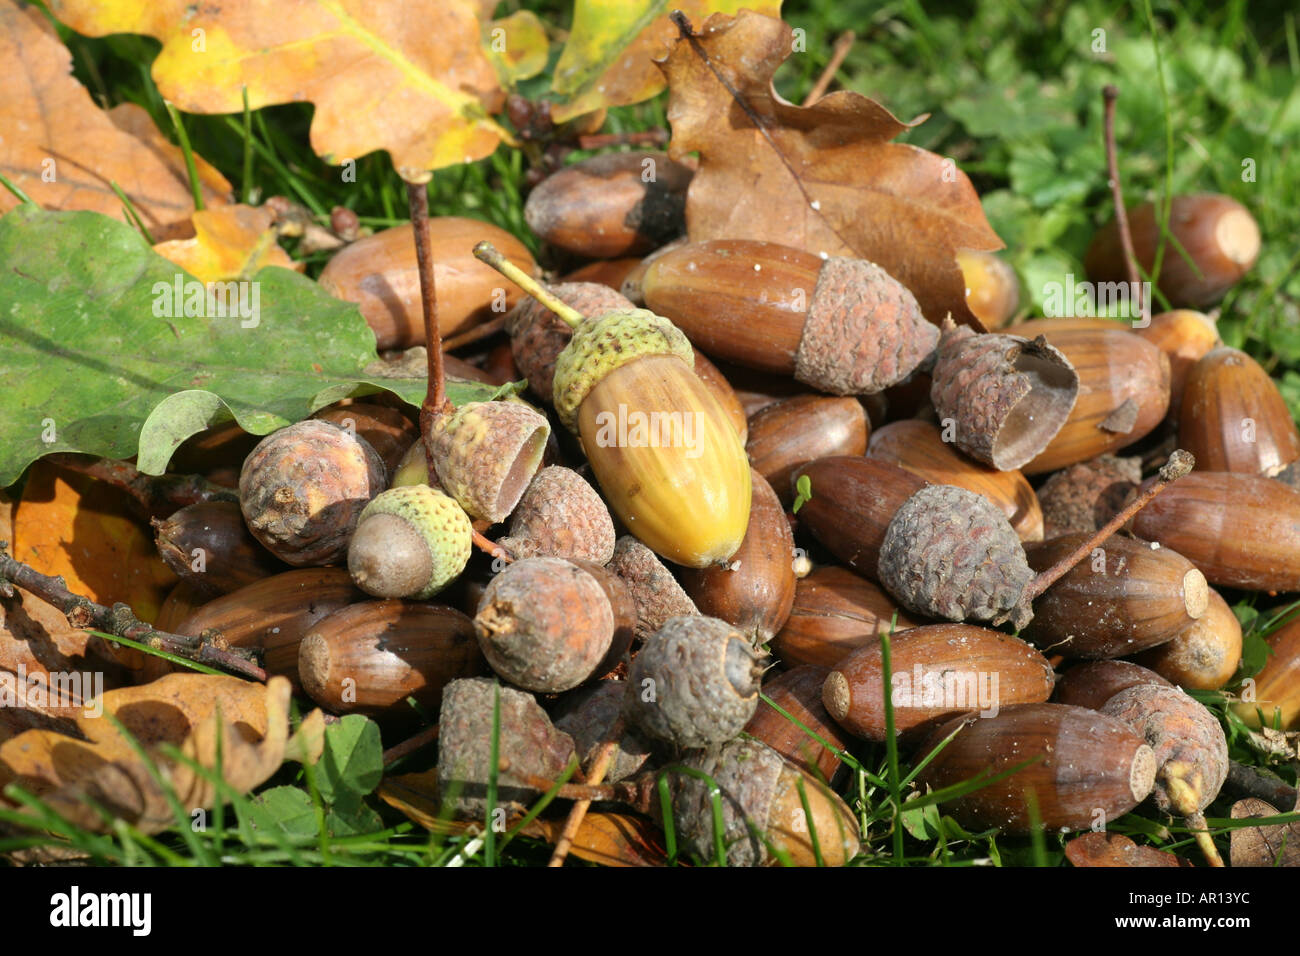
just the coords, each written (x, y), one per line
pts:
(668, 459)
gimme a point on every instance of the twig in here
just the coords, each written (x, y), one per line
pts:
(1109, 94)
(120, 621)
(156, 496)
(435, 399)
(1254, 783)
(842, 47)
(411, 744)
(579, 810)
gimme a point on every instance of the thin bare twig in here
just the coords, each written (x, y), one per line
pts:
(579, 809)
(1110, 93)
(842, 47)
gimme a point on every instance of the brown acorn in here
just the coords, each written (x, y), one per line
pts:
(757, 390)
(798, 692)
(208, 544)
(560, 516)
(275, 614)
(613, 204)
(370, 657)
(1185, 336)
(938, 672)
(1205, 655)
(380, 274)
(1129, 596)
(1233, 417)
(1092, 683)
(843, 326)
(717, 383)
(835, 612)
(1242, 531)
(1082, 497)
(631, 286)
(606, 272)
(992, 287)
(389, 432)
(548, 625)
(1275, 691)
(794, 431)
(920, 448)
(754, 591)
(302, 490)
(1081, 768)
(657, 594)
(1213, 241)
(1123, 394)
(1006, 396)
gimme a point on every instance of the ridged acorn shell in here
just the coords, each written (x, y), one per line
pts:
(950, 553)
(442, 525)
(485, 453)
(561, 516)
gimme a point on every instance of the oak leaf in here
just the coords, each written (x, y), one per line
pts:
(230, 242)
(825, 178)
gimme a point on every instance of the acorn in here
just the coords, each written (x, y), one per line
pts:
(606, 272)
(380, 274)
(1082, 497)
(589, 714)
(613, 204)
(275, 614)
(695, 683)
(717, 383)
(797, 430)
(548, 625)
(1123, 394)
(1274, 692)
(1185, 336)
(538, 335)
(657, 594)
(560, 516)
(1082, 768)
(1205, 655)
(389, 432)
(410, 542)
(1092, 683)
(992, 287)
(920, 448)
(1128, 596)
(754, 591)
(757, 390)
(1241, 531)
(1233, 417)
(302, 490)
(208, 544)
(631, 286)
(816, 745)
(668, 461)
(937, 672)
(370, 657)
(486, 453)
(843, 326)
(834, 613)
(1212, 242)
(1007, 396)
(413, 469)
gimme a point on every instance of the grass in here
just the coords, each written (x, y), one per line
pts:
(1210, 101)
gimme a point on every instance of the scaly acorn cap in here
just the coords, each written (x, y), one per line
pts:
(538, 335)
(601, 345)
(411, 542)
(1007, 395)
(486, 453)
(950, 553)
(560, 516)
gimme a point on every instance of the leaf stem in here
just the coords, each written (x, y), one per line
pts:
(490, 254)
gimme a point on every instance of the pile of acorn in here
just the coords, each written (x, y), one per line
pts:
(617, 567)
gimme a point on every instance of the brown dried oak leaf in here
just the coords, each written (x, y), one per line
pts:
(846, 191)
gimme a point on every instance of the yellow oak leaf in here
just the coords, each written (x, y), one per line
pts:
(230, 242)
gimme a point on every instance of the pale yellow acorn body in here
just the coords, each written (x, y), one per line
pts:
(668, 460)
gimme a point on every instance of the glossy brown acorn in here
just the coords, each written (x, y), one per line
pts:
(754, 591)
(1233, 417)
(1242, 531)
(1185, 336)
(208, 544)
(614, 204)
(1123, 394)
(920, 448)
(798, 692)
(835, 612)
(370, 657)
(789, 433)
(379, 273)
(1216, 233)
(938, 672)
(844, 326)
(1092, 683)
(1276, 691)
(1127, 597)
(274, 614)
(1205, 655)
(992, 287)
(717, 383)
(1078, 763)
(606, 272)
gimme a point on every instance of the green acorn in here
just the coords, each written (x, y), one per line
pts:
(411, 542)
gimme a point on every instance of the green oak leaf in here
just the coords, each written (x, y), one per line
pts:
(90, 365)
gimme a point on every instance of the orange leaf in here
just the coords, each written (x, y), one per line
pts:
(837, 186)
(230, 242)
(1115, 849)
(64, 152)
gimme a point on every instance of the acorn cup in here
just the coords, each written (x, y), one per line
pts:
(538, 335)
(589, 715)
(1233, 418)
(792, 432)
(560, 516)
(1084, 496)
(657, 594)
(1127, 597)
(389, 432)
(834, 613)
(667, 458)
(1074, 763)
(843, 326)
(411, 542)
(1006, 395)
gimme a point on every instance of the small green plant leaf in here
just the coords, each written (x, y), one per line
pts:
(285, 809)
(803, 492)
(352, 762)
